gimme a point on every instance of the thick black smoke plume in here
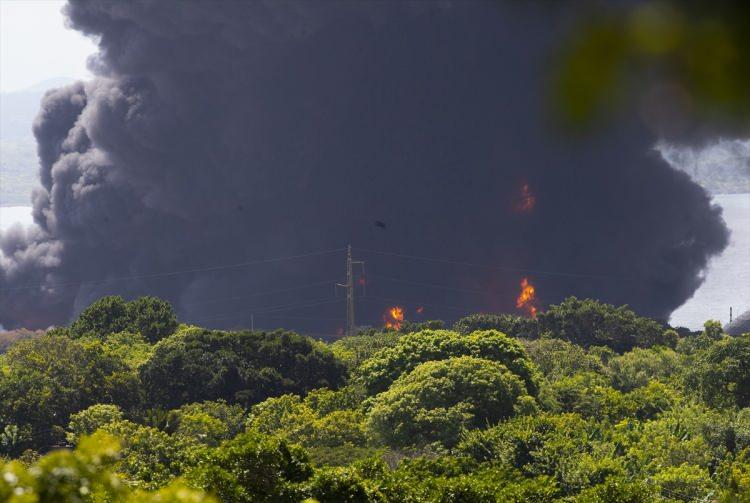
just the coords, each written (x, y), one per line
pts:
(223, 132)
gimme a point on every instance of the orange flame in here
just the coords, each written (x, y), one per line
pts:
(526, 201)
(394, 317)
(527, 298)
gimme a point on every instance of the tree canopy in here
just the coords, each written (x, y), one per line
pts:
(239, 367)
(151, 317)
(437, 400)
(377, 373)
(593, 404)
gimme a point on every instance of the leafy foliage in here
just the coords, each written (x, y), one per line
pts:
(240, 367)
(252, 467)
(721, 373)
(83, 475)
(571, 414)
(592, 323)
(49, 378)
(377, 373)
(151, 317)
(439, 399)
(515, 326)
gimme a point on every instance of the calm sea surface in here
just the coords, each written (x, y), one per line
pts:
(728, 276)
(727, 279)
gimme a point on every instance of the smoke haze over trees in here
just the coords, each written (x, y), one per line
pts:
(219, 133)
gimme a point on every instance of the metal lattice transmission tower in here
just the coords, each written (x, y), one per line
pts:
(351, 327)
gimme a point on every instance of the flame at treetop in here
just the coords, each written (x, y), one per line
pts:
(393, 317)
(527, 298)
(526, 200)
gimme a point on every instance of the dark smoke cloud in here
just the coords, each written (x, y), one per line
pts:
(220, 132)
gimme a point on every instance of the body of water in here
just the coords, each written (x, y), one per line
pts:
(727, 279)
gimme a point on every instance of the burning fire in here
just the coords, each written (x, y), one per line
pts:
(526, 200)
(394, 317)
(527, 298)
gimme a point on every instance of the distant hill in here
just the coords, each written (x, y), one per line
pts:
(18, 162)
(740, 325)
(11, 336)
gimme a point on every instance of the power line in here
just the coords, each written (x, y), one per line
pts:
(176, 273)
(272, 309)
(431, 285)
(285, 316)
(258, 294)
(486, 266)
(401, 301)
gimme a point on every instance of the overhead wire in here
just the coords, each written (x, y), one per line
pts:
(175, 273)
(259, 294)
(487, 266)
(272, 309)
(431, 285)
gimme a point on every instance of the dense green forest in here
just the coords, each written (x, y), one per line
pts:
(585, 403)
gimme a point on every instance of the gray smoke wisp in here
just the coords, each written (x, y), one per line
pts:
(220, 132)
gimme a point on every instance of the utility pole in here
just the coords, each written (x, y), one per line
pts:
(351, 328)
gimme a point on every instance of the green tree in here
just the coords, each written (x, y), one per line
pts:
(83, 475)
(721, 374)
(105, 316)
(91, 419)
(358, 348)
(558, 358)
(591, 323)
(547, 445)
(48, 379)
(438, 399)
(290, 417)
(150, 458)
(713, 330)
(130, 347)
(252, 467)
(515, 326)
(587, 394)
(340, 484)
(210, 422)
(637, 367)
(239, 367)
(151, 317)
(377, 373)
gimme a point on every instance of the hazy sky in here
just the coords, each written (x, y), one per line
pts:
(35, 45)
